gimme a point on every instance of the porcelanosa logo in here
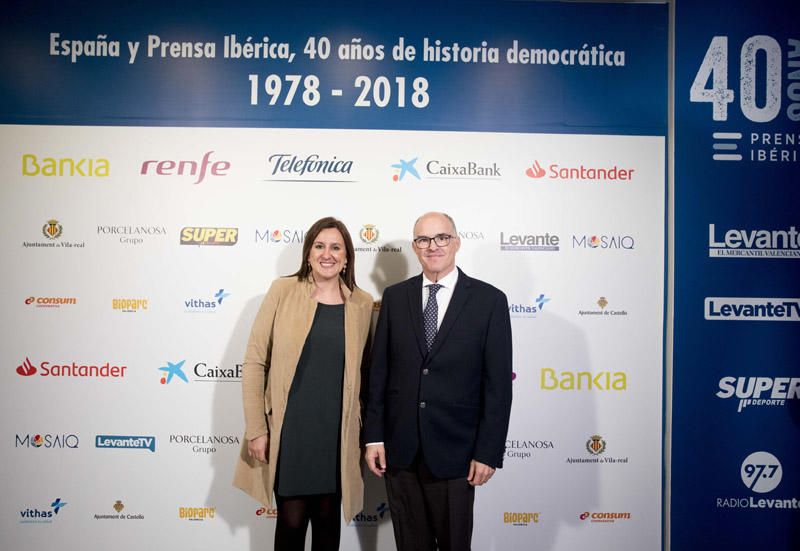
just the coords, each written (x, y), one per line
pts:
(203, 443)
(131, 235)
(752, 309)
(761, 473)
(74, 370)
(189, 170)
(286, 167)
(116, 442)
(47, 441)
(759, 391)
(206, 306)
(580, 172)
(530, 310)
(753, 243)
(603, 242)
(519, 450)
(42, 516)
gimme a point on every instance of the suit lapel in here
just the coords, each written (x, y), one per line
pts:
(457, 302)
(414, 293)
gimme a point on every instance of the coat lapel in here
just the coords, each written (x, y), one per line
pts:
(414, 294)
(457, 302)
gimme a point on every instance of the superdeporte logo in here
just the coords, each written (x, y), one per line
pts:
(47, 369)
(580, 172)
(746, 243)
(752, 308)
(196, 235)
(125, 442)
(759, 391)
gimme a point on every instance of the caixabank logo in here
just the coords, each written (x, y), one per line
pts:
(74, 370)
(202, 372)
(761, 473)
(35, 515)
(759, 392)
(757, 243)
(752, 309)
(579, 172)
(47, 441)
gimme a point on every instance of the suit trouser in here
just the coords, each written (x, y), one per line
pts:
(427, 511)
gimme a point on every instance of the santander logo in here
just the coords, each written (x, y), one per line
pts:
(535, 170)
(26, 369)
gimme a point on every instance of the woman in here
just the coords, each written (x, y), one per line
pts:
(300, 387)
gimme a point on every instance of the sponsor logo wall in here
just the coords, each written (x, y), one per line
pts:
(141, 251)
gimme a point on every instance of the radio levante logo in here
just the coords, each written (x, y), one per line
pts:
(752, 308)
(761, 472)
(286, 167)
(748, 243)
(759, 391)
(580, 173)
(47, 369)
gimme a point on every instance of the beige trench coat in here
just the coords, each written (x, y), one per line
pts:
(276, 342)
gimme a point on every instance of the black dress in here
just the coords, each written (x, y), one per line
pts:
(308, 462)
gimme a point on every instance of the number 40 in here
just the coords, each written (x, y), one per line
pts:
(715, 65)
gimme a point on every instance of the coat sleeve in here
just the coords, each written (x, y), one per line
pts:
(377, 374)
(257, 363)
(495, 387)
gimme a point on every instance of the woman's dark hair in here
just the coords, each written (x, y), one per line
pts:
(329, 222)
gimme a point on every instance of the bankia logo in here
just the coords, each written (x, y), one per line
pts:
(285, 236)
(528, 310)
(752, 309)
(759, 391)
(200, 235)
(116, 442)
(33, 165)
(753, 243)
(761, 472)
(529, 242)
(131, 235)
(403, 167)
(51, 302)
(289, 167)
(186, 169)
(602, 242)
(579, 172)
(47, 441)
(52, 230)
(206, 306)
(32, 515)
(74, 370)
(583, 380)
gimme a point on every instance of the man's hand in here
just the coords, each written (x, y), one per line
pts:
(479, 473)
(257, 447)
(375, 456)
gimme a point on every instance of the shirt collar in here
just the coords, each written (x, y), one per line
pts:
(448, 281)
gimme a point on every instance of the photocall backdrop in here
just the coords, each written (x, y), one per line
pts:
(150, 199)
(736, 380)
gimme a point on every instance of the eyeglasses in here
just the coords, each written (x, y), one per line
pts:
(441, 240)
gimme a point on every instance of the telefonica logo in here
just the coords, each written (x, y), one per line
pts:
(581, 172)
(749, 308)
(64, 166)
(197, 170)
(285, 167)
(745, 243)
(759, 391)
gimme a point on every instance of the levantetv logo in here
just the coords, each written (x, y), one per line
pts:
(756, 309)
(42, 516)
(743, 243)
(125, 442)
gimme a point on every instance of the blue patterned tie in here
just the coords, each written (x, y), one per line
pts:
(430, 315)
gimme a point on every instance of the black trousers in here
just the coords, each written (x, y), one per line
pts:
(429, 513)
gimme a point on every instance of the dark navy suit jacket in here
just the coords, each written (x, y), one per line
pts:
(453, 402)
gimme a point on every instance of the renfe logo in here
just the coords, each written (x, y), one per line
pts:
(756, 309)
(192, 168)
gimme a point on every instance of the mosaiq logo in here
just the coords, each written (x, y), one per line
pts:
(602, 242)
(759, 391)
(188, 170)
(285, 236)
(761, 472)
(47, 441)
(288, 167)
(753, 243)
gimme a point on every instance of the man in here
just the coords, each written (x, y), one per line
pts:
(439, 393)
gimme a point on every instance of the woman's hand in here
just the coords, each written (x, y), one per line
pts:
(257, 447)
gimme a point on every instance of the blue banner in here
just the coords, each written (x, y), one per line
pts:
(736, 385)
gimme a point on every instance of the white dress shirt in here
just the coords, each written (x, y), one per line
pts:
(443, 295)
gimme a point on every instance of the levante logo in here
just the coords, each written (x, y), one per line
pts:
(754, 243)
